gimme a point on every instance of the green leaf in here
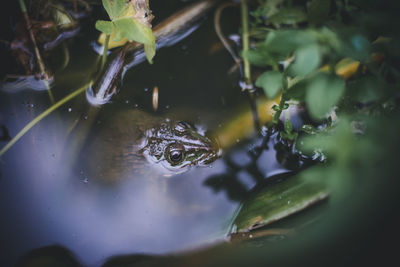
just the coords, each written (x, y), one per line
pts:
(288, 126)
(257, 57)
(323, 92)
(288, 16)
(318, 11)
(277, 201)
(150, 51)
(133, 30)
(307, 60)
(271, 82)
(105, 26)
(114, 9)
(287, 41)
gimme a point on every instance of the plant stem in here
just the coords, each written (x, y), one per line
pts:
(245, 41)
(105, 50)
(282, 103)
(41, 116)
(42, 67)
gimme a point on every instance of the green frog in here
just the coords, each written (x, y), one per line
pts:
(136, 143)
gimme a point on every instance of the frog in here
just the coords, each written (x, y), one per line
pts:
(135, 143)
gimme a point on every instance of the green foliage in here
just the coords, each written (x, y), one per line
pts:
(271, 82)
(323, 92)
(126, 25)
(288, 133)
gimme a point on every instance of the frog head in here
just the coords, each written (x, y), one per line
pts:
(178, 145)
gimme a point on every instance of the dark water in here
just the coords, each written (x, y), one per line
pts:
(46, 198)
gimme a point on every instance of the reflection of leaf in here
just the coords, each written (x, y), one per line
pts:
(323, 92)
(277, 201)
(271, 82)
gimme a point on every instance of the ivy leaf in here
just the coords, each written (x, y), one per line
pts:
(271, 82)
(104, 26)
(323, 92)
(307, 60)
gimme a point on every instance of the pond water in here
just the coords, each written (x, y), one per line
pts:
(49, 196)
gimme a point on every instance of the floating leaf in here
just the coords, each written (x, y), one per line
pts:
(323, 92)
(271, 82)
(276, 201)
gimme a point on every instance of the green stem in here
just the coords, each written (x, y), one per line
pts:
(105, 50)
(22, 5)
(245, 41)
(282, 103)
(41, 116)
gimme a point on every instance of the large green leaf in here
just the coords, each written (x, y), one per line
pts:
(323, 92)
(114, 9)
(276, 201)
(104, 26)
(307, 60)
(133, 30)
(271, 82)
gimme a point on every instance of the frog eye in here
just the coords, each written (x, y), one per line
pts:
(182, 126)
(175, 153)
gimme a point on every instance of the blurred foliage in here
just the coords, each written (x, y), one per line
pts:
(339, 59)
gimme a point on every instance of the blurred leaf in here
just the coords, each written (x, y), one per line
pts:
(257, 57)
(287, 41)
(104, 26)
(365, 89)
(274, 202)
(323, 92)
(271, 82)
(307, 60)
(318, 11)
(297, 91)
(288, 16)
